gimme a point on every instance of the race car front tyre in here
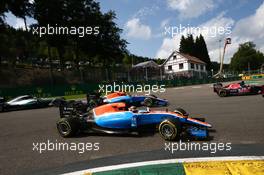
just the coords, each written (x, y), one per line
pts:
(169, 130)
(222, 93)
(148, 102)
(68, 127)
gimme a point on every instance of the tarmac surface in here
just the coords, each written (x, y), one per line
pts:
(237, 120)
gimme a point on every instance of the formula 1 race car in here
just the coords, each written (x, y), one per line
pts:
(135, 100)
(117, 118)
(24, 102)
(237, 89)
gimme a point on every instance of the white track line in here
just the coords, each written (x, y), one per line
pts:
(179, 88)
(166, 161)
(196, 87)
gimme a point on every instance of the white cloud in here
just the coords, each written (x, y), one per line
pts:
(146, 11)
(135, 29)
(252, 28)
(207, 29)
(246, 29)
(164, 23)
(191, 8)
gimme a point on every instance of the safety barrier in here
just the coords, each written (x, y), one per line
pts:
(68, 90)
(255, 76)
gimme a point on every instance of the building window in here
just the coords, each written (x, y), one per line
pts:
(174, 57)
(181, 66)
(197, 66)
(202, 67)
(169, 67)
(192, 66)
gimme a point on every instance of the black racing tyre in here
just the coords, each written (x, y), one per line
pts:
(169, 130)
(1, 108)
(92, 104)
(222, 93)
(68, 127)
(181, 111)
(255, 90)
(148, 102)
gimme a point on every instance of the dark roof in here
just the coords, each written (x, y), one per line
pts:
(187, 56)
(146, 64)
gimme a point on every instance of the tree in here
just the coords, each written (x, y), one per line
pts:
(201, 52)
(187, 45)
(182, 48)
(196, 48)
(21, 9)
(247, 57)
(3, 10)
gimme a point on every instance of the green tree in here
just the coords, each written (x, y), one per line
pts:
(3, 10)
(182, 48)
(187, 45)
(196, 48)
(247, 57)
(21, 9)
(201, 52)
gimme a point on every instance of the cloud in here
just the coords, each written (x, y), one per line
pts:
(146, 11)
(165, 22)
(246, 29)
(135, 29)
(251, 28)
(209, 30)
(191, 8)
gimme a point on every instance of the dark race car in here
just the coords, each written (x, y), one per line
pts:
(24, 102)
(118, 118)
(237, 89)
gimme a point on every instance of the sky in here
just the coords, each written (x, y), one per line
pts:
(153, 28)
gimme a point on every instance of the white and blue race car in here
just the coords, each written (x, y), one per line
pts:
(118, 118)
(136, 100)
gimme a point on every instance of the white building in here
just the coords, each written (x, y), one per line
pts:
(179, 64)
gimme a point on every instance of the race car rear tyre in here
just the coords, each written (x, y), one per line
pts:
(169, 130)
(92, 104)
(148, 102)
(222, 93)
(1, 108)
(181, 111)
(68, 127)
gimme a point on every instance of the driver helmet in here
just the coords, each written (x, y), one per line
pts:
(132, 108)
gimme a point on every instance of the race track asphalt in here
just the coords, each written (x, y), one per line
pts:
(238, 120)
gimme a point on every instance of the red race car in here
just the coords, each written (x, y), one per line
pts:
(237, 89)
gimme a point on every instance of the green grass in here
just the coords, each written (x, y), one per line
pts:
(72, 97)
